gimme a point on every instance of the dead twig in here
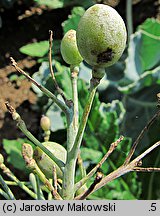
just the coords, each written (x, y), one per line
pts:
(83, 196)
(58, 89)
(63, 106)
(127, 168)
(94, 170)
(146, 169)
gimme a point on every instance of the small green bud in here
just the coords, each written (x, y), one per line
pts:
(69, 49)
(1, 159)
(45, 123)
(101, 36)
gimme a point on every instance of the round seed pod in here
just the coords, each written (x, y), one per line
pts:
(69, 49)
(101, 36)
(45, 163)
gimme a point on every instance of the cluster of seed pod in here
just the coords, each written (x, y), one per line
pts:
(100, 40)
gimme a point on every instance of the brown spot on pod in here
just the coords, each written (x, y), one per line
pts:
(105, 56)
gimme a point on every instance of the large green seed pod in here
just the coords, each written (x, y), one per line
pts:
(69, 49)
(101, 36)
(45, 163)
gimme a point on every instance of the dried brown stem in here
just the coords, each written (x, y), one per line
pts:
(139, 138)
(10, 108)
(42, 88)
(94, 170)
(125, 168)
(141, 156)
(148, 169)
(111, 149)
(97, 180)
(58, 89)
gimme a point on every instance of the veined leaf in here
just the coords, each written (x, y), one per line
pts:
(143, 58)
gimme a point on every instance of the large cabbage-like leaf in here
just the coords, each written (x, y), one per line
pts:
(142, 64)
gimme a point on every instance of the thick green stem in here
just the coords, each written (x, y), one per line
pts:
(72, 128)
(129, 17)
(69, 173)
(70, 131)
(83, 123)
(74, 76)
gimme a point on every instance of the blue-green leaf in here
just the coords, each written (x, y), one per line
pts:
(73, 19)
(142, 64)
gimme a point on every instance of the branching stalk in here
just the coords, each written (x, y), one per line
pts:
(69, 172)
(58, 89)
(18, 182)
(22, 126)
(126, 168)
(94, 170)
